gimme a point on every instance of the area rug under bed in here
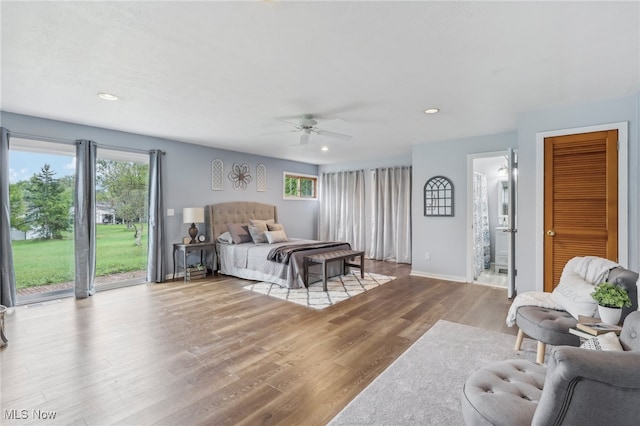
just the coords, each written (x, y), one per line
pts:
(423, 386)
(338, 289)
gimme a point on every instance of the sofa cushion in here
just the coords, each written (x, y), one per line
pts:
(630, 334)
(503, 393)
(574, 295)
(629, 281)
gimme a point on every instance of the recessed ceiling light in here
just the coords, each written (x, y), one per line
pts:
(324, 148)
(431, 110)
(107, 96)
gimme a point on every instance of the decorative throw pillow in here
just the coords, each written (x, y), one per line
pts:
(275, 227)
(225, 238)
(239, 233)
(276, 236)
(574, 295)
(257, 232)
(260, 221)
(603, 342)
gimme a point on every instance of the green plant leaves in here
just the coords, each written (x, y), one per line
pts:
(611, 296)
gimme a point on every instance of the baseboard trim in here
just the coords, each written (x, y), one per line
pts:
(438, 276)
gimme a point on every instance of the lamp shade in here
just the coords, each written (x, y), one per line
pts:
(193, 215)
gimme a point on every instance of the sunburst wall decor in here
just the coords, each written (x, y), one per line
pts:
(240, 175)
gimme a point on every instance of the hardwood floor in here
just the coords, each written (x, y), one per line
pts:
(210, 352)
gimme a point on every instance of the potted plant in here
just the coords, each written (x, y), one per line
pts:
(611, 299)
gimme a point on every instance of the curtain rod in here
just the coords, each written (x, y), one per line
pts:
(41, 138)
(134, 150)
(73, 142)
(394, 167)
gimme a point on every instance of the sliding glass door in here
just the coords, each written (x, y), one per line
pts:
(41, 189)
(42, 182)
(121, 218)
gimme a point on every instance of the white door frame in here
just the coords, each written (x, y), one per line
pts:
(623, 185)
(470, 158)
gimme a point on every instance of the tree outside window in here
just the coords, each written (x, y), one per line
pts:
(300, 187)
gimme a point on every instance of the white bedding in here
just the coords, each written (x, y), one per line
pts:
(249, 261)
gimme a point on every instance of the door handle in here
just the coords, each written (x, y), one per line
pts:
(551, 233)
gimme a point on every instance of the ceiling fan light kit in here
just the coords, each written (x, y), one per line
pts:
(108, 96)
(308, 125)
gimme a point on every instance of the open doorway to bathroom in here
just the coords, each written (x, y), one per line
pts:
(490, 238)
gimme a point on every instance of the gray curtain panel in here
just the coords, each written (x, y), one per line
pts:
(156, 263)
(342, 208)
(85, 218)
(391, 214)
(7, 274)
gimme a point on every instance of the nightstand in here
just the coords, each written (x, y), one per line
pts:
(185, 249)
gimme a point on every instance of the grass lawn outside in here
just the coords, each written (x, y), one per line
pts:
(44, 262)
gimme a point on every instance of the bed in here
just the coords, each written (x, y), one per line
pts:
(249, 260)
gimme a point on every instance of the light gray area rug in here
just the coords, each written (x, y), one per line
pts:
(423, 386)
(338, 289)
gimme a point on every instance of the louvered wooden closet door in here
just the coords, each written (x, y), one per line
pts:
(580, 200)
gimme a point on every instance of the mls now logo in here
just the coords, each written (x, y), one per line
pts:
(26, 414)
(16, 414)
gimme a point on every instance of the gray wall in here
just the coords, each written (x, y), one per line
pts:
(445, 238)
(187, 174)
(188, 181)
(611, 111)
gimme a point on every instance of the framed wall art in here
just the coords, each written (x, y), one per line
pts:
(438, 197)
(217, 175)
(261, 178)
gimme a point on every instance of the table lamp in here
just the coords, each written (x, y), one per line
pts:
(193, 215)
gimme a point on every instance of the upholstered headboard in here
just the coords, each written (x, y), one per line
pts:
(217, 216)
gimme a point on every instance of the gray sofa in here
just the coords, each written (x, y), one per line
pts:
(577, 387)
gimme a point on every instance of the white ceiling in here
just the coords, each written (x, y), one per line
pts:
(223, 73)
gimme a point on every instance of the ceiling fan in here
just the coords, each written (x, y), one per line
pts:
(308, 125)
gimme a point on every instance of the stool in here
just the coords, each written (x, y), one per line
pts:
(547, 326)
(503, 393)
(3, 338)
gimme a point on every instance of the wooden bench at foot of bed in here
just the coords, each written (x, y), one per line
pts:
(325, 258)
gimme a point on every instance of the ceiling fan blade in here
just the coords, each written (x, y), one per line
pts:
(280, 132)
(333, 134)
(304, 138)
(297, 125)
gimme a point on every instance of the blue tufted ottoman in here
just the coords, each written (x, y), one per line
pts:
(503, 393)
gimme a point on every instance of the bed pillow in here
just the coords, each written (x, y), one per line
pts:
(276, 237)
(225, 238)
(574, 295)
(275, 227)
(603, 342)
(257, 232)
(239, 232)
(261, 221)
